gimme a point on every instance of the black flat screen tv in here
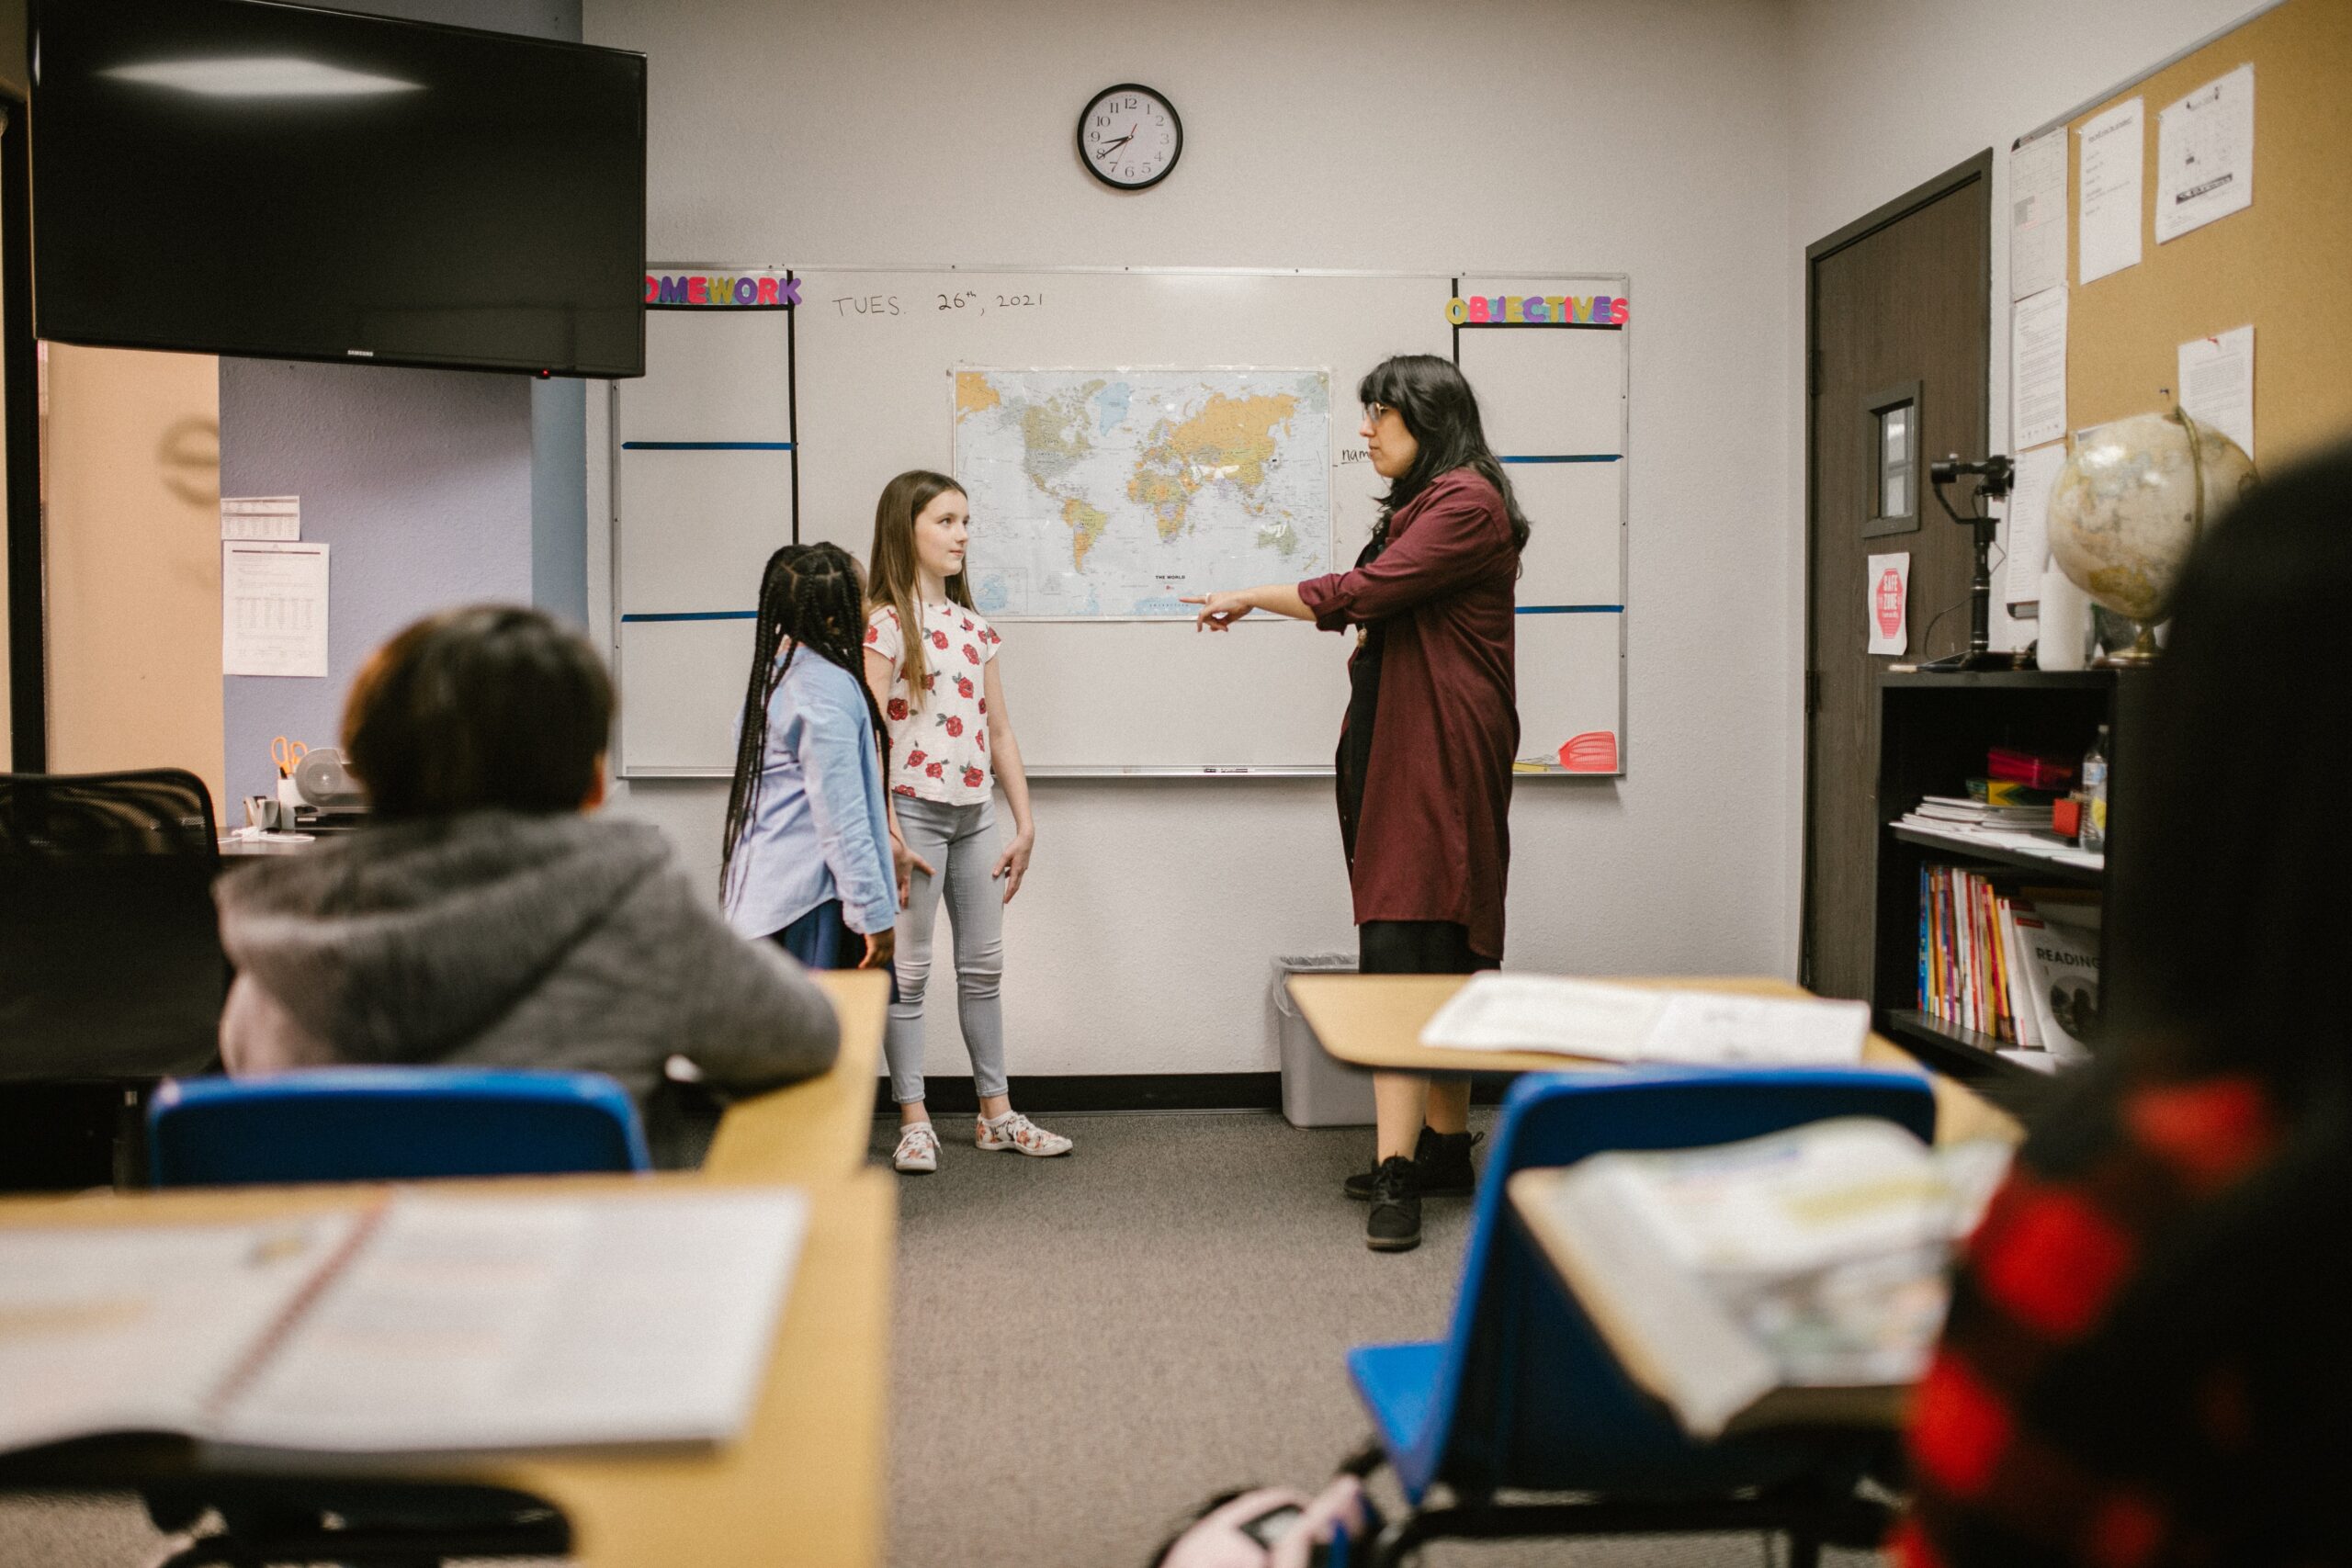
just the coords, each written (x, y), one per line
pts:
(231, 176)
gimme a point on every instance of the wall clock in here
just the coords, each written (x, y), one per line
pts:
(1129, 137)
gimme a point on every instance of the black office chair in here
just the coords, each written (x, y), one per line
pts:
(111, 973)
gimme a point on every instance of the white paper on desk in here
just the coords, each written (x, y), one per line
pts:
(2205, 155)
(1631, 1023)
(2216, 383)
(2037, 369)
(2038, 214)
(2028, 537)
(468, 1324)
(261, 517)
(1543, 1012)
(273, 608)
(134, 1327)
(1714, 1028)
(2114, 146)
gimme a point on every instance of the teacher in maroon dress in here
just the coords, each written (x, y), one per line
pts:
(1425, 752)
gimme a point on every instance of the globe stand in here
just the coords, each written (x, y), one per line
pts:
(1993, 476)
(2143, 651)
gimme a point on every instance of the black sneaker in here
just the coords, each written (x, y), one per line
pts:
(1395, 1222)
(1442, 1158)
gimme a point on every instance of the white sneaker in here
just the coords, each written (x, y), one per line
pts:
(1016, 1131)
(918, 1148)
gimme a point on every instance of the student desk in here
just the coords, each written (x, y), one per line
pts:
(819, 1129)
(1532, 1194)
(804, 1484)
(1375, 1021)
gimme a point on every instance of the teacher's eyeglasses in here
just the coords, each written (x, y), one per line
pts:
(1374, 412)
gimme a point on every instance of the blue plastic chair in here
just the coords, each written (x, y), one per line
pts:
(1523, 1394)
(389, 1125)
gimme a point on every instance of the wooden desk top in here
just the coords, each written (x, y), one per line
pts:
(1376, 1020)
(818, 1130)
(805, 1481)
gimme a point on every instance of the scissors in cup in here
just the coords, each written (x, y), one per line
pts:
(286, 753)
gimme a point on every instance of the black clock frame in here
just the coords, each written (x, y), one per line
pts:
(1078, 136)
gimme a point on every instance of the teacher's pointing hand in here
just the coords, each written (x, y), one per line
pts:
(1219, 611)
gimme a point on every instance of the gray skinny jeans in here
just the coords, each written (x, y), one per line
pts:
(960, 844)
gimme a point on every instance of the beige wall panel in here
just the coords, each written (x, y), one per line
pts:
(134, 562)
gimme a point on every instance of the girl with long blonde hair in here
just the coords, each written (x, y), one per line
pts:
(932, 662)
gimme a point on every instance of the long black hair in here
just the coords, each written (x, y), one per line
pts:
(810, 595)
(1440, 409)
(2230, 919)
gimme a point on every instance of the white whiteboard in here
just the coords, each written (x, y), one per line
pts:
(857, 380)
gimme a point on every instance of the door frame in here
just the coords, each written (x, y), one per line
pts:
(1957, 178)
(25, 627)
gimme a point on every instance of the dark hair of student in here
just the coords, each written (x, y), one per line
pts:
(894, 573)
(1442, 412)
(492, 705)
(2230, 915)
(810, 595)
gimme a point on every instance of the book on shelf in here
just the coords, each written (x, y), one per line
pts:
(1800, 1278)
(2002, 958)
(2009, 791)
(2060, 950)
(417, 1325)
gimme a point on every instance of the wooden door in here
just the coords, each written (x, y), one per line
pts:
(1897, 314)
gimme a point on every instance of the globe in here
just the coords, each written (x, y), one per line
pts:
(2129, 503)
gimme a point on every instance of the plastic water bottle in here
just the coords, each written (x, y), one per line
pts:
(2095, 795)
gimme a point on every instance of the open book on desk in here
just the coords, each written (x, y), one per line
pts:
(1799, 1279)
(422, 1325)
(1608, 1022)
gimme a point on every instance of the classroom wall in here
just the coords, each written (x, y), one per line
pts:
(1651, 139)
(435, 486)
(419, 480)
(133, 532)
(1886, 98)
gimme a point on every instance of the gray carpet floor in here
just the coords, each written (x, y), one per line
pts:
(1089, 1347)
(1086, 1349)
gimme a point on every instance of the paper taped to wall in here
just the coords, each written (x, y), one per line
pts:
(273, 608)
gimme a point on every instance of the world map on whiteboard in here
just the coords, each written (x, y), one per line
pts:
(1113, 493)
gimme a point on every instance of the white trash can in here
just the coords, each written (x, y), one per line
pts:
(1317, 1091)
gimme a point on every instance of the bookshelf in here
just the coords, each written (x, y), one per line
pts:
(1934, 730)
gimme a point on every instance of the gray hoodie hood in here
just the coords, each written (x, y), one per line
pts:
(569, 943)
(405, 941)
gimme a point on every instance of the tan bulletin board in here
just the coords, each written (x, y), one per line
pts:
(2284, 264)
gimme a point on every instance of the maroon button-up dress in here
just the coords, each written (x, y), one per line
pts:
(1433, 840)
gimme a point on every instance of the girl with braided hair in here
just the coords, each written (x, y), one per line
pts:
(808, 858)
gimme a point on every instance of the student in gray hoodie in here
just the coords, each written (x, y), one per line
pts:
(487, 914)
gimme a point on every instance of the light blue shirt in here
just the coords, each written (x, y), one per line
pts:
(818, 830)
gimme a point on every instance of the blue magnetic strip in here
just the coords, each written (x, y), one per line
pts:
(1549, 610)
(706, 446)
(1578, 458)
(698, 615)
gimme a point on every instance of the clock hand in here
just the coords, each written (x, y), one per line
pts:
(1113, 147)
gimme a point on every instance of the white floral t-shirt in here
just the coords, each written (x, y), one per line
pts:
(939, 752)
